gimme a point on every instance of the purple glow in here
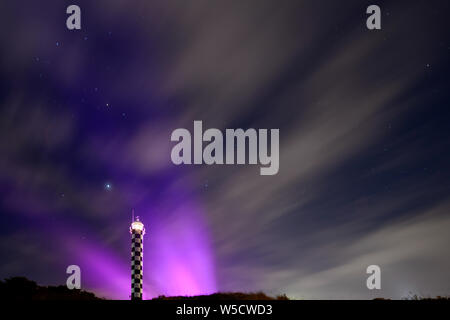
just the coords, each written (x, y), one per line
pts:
(103, 272)
(177, 258)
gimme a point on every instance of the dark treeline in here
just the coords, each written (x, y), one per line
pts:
(20, 288)
(227, 296)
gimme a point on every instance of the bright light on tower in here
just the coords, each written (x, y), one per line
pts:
(137, 225)
(137, 231)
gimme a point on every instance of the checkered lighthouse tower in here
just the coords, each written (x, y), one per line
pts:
(137, 231)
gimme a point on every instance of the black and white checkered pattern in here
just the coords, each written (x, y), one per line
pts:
(137, 254)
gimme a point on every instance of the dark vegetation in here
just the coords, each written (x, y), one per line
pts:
(227, 296)
(20, 288)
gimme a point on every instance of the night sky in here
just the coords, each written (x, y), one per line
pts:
(87, 115)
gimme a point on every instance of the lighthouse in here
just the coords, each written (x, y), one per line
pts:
(137, 231)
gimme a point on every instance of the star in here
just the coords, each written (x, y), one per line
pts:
(108, 186)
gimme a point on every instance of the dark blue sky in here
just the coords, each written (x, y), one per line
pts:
(364, 145)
